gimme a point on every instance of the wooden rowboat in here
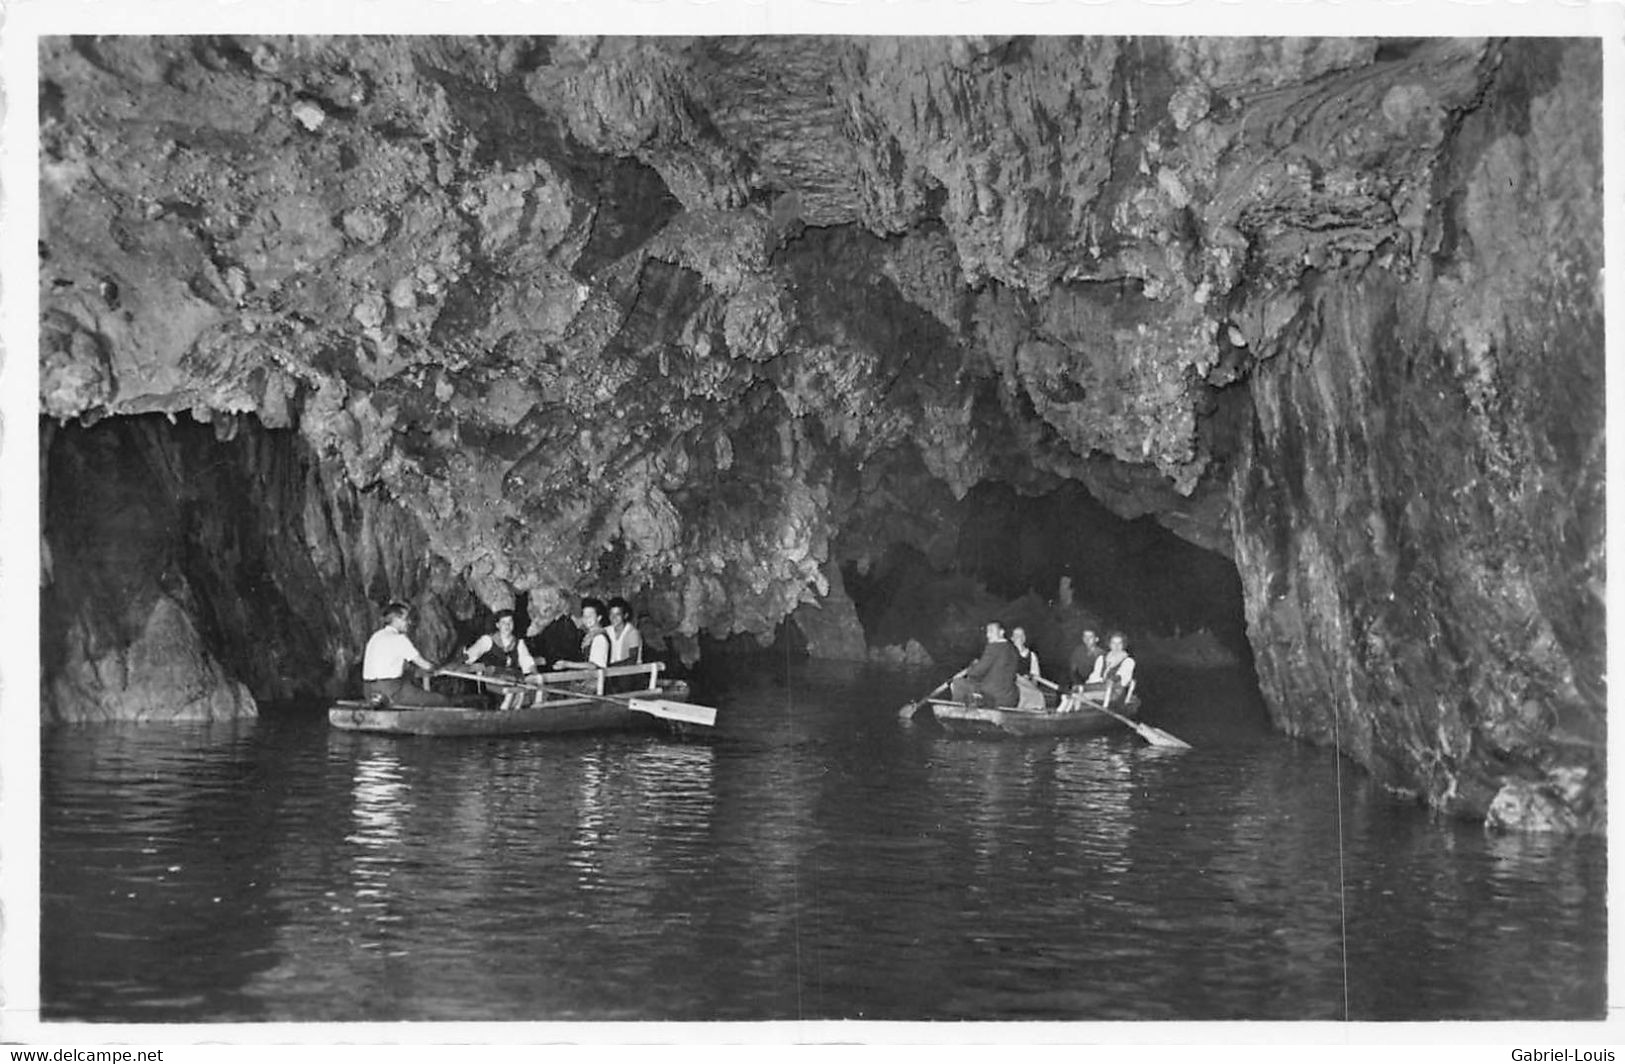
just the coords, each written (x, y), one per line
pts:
(552, 716)
(962, 719)
(562, 702)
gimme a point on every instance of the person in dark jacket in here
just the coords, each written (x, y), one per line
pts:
(556, 640)
(991, 678)
(1085, 663)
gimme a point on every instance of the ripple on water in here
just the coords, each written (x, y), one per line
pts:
(817, 859)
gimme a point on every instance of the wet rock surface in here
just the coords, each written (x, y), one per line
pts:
(1419, 505)
(699, 319)
(259, 569)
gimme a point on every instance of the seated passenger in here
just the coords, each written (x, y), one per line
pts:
(1085, 662)
(1028, 694)
(383, 664)
(1026, 657)
(501, 648)
(990, 679)
(1117, 669)
(595, 644)
(1110, 682)
(625, 646)
(1083, 670)
(558, 639)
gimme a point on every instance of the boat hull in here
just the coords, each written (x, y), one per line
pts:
(961, 719)
(556, 703)
(559, 716)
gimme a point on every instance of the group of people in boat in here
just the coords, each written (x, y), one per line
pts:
(600, 635)
(1008, 672)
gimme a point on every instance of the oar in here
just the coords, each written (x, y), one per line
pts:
(655, 706)
(460, 671)
(670, 709)
(1154, 736)
(648, 702)
(908, 711)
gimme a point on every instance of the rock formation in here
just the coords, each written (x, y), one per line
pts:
(703, 319)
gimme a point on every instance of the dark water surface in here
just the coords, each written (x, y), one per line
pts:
(814, 859)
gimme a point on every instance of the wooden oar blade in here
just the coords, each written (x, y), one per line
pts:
(1158, 737)
(908, 711)
(1154, 736)
(687, 712)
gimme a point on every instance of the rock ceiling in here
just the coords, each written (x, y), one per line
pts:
(702, 314)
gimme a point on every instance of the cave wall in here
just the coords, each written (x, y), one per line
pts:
(119, 630)
(1419, 510)
(701, 320)
(197, 570)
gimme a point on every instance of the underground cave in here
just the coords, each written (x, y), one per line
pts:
(1283, 355)
(206, 556)
(754, 328)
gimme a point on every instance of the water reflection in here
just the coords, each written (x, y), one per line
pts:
(151, 849)
(812, 860)
(376, 800)
(1095, 783)
(592, 823)
(379, 800)
(677, 781)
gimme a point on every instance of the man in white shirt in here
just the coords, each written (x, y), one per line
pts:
(625, 641)
(383, 666)
(625, 645)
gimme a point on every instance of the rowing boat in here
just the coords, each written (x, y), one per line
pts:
(552, 716)
(959, 718)
(555, 703)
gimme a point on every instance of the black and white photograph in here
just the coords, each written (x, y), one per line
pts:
(793, 535)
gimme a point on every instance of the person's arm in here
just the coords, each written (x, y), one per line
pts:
(1033, 657)
(527, 664)
(1125, 671)
(478, 649)
(979, 667)
(411, 652)
(598, 653)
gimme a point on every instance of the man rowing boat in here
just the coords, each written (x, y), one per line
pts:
(1085, 662)
(383, 664)
(991, 678)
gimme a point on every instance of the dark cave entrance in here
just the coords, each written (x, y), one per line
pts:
(282, 568)
(278, 563)
(1135, 573)
(139, 508)
(1011, 557)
